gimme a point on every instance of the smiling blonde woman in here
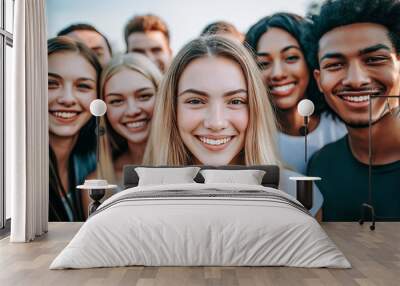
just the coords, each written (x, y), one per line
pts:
(212, 108)
(128, 85)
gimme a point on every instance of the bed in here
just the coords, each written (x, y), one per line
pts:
(201, 224)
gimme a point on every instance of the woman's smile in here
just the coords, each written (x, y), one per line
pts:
(282, 89)
(65, 116)
(215, 143)
(137, 125)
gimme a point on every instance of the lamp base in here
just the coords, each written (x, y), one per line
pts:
(96, 195)
(369, 207)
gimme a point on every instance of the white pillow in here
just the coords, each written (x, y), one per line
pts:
(248, 177)
(163, 176)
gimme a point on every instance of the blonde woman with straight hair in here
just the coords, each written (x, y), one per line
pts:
(213, 108)
(128, 85)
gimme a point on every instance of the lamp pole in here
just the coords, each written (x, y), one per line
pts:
(369, 204)
(305, 108)
(98, 108)
(97, 145)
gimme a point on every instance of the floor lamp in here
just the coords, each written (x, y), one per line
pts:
(304, 185)
(368, 206)
(97, 187)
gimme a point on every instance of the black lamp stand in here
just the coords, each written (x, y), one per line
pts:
(97, 194)
(304, 131)
(368, 206)
(365, 207)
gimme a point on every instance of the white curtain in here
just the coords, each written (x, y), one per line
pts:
(27, 124)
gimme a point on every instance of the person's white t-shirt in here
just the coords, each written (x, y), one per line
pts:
(292, 147)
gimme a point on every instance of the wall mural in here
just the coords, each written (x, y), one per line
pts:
(225, 92)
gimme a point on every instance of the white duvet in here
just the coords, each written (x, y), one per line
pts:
(207, 230)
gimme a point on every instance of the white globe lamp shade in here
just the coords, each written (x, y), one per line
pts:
(98, 107)
(305, 107)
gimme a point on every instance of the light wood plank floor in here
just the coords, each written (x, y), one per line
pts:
(374, 255)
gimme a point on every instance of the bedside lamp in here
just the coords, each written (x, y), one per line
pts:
(305, 108)
(304, 185)
(98, 108)
(97, 188)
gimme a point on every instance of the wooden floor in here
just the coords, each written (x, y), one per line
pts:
(374, 255)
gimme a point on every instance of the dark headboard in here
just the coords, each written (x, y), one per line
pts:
(270, 179)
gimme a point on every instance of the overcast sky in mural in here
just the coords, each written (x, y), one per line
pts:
(185, 18)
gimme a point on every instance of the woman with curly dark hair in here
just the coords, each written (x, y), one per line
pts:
(277, 43)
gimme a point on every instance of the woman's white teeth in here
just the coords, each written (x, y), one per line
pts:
(136, 124)
(215, 141)
(283, 88)
(65, 115)
(356, 98)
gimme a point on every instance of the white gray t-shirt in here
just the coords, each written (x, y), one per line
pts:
(291, 147)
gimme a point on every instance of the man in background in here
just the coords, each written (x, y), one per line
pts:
(356, 48)
(92, 38)
(223, 28)
(149, 35)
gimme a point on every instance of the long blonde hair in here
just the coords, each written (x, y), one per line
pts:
(165, 146)
(113, 145)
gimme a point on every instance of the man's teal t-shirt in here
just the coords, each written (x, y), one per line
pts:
(344, 184)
